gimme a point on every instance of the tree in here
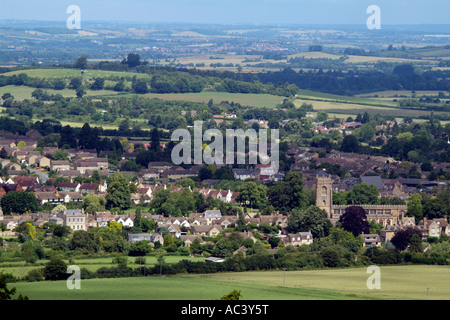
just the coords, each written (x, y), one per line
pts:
(61, 231)
(252, 194)
(19, 202)
(330, 257)
(350, 143)
(140, 86)
(67, 138)
(415, 243)
(80, 92)
(241, 224)
(155, 143)
(402, 238)
(95, 178)
(55, 269)
(26, 230)
(84, 241)
(32, 251)
(354, 219)
(415, 208)
(81, 63)
(288, 194)
(85, 137)
(434, 207)
(345, 239)
(60, 154)
(132, 60)
(98, 84)
(196, 247)
(118, 194)
(274, 241)
(139, 249)
(363, 194)
(137, 223)
(75, 83)
(8, 294)
(366, 133)
(233, 295)
(92, 203)
(223, 248)
(312, 219)
(148, 225)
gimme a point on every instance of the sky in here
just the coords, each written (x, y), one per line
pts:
(296, 12)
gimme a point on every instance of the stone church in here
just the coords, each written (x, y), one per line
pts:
(386, 215)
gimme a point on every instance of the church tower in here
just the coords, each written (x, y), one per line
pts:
(324, 199)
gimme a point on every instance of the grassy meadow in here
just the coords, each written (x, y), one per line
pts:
(61, 73)
(245, 99)
(20, 268)
(412, 282)
(24, 92)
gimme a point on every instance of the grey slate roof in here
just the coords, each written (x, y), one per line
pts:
(375, 180)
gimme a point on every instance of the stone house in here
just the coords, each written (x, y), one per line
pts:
(59, 165)
(299, 238)
(207, 231)
(150, 237)
(371, 240)
(75, 219)
(189, 239)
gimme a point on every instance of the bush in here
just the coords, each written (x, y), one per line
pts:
(330, 257)
(55, 269)
(383, 256)
(8, 278)
(420, 259)
(87, 274)
(35, 275)
(116, 272)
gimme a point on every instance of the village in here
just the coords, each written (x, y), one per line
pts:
(23, 165)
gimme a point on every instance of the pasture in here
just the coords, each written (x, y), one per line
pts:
(350, 108)
(410, 282)
(24, 92)
(20, 268)
(61, 73)
(244, 99)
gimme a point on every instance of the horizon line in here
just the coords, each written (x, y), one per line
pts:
(230, 24)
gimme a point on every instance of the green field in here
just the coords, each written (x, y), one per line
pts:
(378, 102)
(244, 99)
(50, 73)
(397, 283)
(351, 108)
(20, 268)
(24, 92)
